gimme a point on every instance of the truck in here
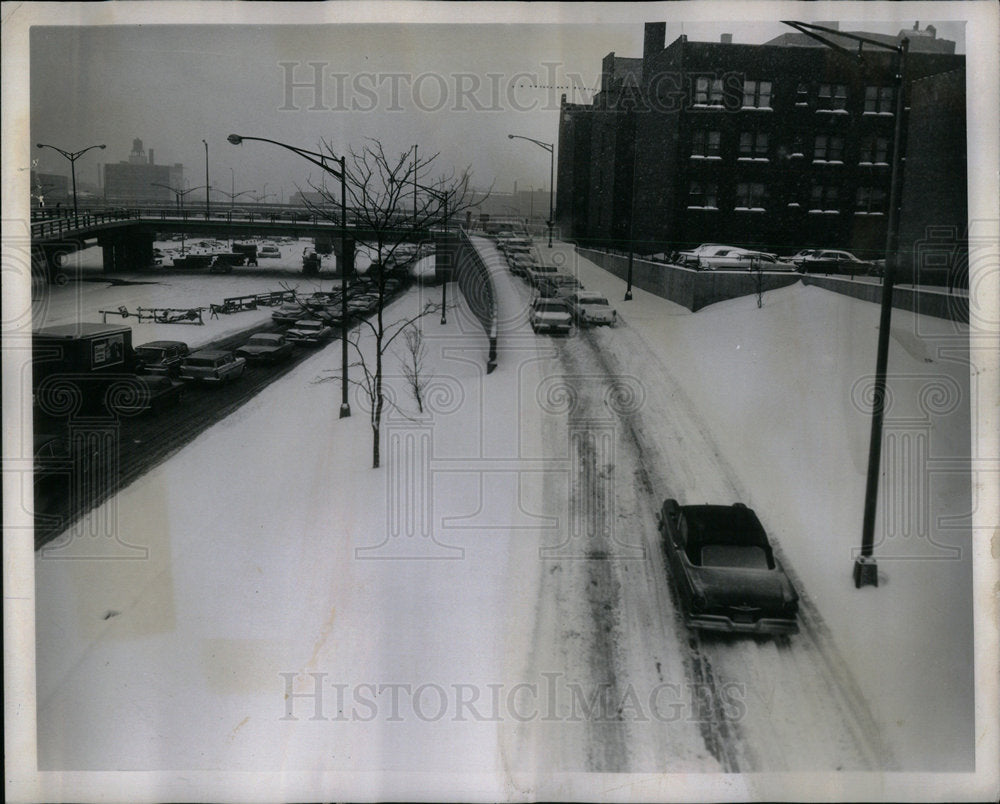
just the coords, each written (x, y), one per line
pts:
(75, 366)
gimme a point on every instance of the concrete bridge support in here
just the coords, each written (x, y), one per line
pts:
(126, 252)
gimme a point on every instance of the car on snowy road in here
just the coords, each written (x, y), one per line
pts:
(725, 571)
(590, 307)
(212, 365)
(160, 357)
(268, 251)
(266, 347)
(551, 315)
(309, 332)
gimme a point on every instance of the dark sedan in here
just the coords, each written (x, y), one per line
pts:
(725, 571)
(266, 347)
(160, 357)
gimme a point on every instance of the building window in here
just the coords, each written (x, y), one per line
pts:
(874, 150)
(832, 97)
(753, 145)
(756, 94)
(703, 195)
(750, 196)
(878, 100)
(708, 91)
(705, 143)
(829, 148)
(870, 201)
(824, 199)
(802, 95)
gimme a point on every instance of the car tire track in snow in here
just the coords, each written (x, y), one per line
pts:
(791, 684)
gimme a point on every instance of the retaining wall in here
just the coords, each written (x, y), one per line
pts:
(686, 286)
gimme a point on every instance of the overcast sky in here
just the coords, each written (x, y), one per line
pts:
(454, 89)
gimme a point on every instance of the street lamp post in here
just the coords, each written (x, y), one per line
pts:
(72, 156)
(340, 173)
(443, 198)
(178, 201)
(208, 185)
(550, 147)
(865, 570)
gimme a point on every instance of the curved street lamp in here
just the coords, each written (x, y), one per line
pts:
(326, 163)
(72, 156)
(550, 147)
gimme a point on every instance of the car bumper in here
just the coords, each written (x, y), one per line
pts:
(764, 625)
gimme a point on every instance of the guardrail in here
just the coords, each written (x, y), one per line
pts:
(476, 284)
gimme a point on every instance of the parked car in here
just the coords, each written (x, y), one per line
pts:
(558, 285)
(268, 252)
(724, 570)
(160, 357)
(590, 307)
(765, 261)
(309, 332)
(832, 261)
(520, 264)
(212, 365)
(712, 257)
(551, 315)
(266, 347)
(288, 313)
(799, 256)
(538, 272)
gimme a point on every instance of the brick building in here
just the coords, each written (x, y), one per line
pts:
(783, 145)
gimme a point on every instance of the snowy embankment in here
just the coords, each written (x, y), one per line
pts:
(784, 391)
(275, 549)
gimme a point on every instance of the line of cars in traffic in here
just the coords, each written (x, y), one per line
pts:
(560, 299)
(717, 256)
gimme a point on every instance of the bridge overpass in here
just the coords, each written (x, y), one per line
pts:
(126, 236)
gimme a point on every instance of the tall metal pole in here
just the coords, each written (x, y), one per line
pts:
(72, 156)
(322, 161)
(232, 187)
(416, 162)
(631, 215)
(552, 167)
(865, 570)
(208, 185)
(550, 147)
(345, 406)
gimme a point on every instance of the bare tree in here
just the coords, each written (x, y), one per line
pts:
(385, 214)
(413, 363)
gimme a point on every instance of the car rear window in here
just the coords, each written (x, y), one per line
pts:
(550, 307)
(201, 362)
(150, 353)
(734, 555)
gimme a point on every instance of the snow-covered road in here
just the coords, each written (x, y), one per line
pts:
(619, 442)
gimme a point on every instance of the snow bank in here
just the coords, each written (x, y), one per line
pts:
(783, 389)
